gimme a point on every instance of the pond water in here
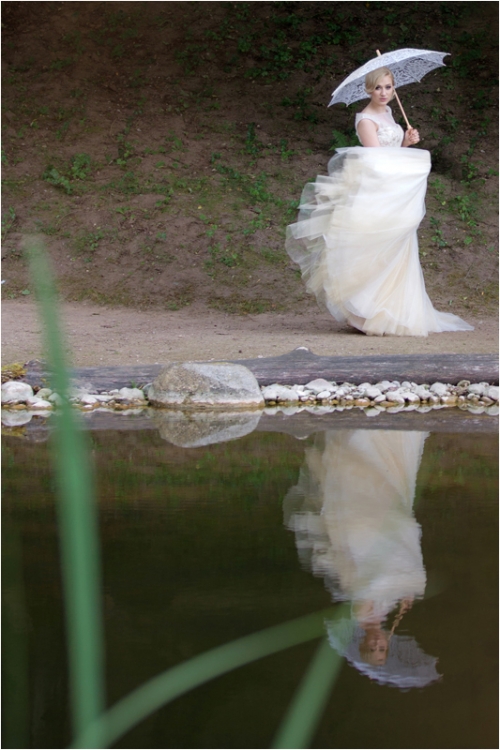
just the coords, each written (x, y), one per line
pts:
(203, 545)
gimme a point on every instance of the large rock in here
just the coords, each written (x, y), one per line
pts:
(210, 384)
(14, 391)
(193, 429)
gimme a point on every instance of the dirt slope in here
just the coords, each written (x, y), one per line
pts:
(160, 149)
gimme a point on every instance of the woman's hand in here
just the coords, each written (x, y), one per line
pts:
(411, 138)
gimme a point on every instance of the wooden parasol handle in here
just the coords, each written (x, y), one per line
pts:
(399, 101)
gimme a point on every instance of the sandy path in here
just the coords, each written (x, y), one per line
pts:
(120, 336)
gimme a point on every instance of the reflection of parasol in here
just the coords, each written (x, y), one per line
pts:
(406, 666)
(406, 65)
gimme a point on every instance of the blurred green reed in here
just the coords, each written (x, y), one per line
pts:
(93, 725)
(78, 523)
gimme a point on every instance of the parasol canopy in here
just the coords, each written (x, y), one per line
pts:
(406, 65)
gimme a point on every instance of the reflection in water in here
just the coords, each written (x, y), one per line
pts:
(352, 516)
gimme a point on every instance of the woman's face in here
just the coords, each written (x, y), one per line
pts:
(375, 647)
(384, 91)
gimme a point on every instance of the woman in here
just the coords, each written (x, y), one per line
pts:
(356, 238)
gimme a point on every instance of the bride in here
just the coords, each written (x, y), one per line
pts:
(356, 238)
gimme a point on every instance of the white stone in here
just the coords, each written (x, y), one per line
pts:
(412, 398)
(56, 399)
(395, 396)
(279, 393)
(132, 394)
(40, 403)
(14, 391)
(87, 399)
(439, 389)
(492, 410)
(372, 393)
(422, 393)
(324, 394)
(44, 392)
(319, 385)
(477, 389)
(492, 392)
(192, 384)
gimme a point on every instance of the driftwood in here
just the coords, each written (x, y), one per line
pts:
(299, 367)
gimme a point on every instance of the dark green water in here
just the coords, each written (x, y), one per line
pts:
(203, 545)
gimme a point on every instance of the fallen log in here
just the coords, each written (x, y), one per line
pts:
(301, 366)
(298, 368)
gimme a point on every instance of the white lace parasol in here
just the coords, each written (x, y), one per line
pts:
(407, 666)
(406, 65)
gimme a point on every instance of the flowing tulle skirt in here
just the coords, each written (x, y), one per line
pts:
(352, 515)
(356, 242)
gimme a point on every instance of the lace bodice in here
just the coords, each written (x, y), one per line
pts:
(389, 133)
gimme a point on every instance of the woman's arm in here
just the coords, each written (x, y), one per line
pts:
(367, 131)
(411, 138)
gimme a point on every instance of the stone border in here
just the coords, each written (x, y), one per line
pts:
(318, 396)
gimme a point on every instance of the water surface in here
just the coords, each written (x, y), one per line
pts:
(204, 545)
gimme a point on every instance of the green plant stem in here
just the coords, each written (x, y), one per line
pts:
(175, 682)
(77, 521)
(306, 708)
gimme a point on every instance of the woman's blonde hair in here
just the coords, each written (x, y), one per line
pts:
(371, 79)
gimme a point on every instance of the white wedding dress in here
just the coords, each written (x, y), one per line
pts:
(352, 514)
(356, 238)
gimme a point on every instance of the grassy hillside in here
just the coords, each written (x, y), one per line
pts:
(161, 148)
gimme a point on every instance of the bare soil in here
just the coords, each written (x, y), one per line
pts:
(96, 335)
(159, 150)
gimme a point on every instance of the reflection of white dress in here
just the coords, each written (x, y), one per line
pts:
(356, 238)
(352, 516)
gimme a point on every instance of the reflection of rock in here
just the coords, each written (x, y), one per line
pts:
(197, 428)
(16, 418)
(206, 384)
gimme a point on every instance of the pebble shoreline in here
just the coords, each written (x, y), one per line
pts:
(20, 402)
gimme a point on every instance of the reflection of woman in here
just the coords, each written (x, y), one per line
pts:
(356, 238)
(352, 516)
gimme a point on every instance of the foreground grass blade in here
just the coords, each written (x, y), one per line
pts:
(77, 522)
(307, 706)
(176, 681)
